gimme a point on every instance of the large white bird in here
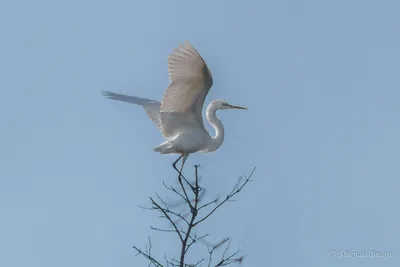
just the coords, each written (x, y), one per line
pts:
(179, 115)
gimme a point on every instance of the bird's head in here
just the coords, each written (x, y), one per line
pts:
(222, 104)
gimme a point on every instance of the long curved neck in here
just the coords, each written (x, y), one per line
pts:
(218, 139)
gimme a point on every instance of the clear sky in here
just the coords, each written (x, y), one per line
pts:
(321, 81)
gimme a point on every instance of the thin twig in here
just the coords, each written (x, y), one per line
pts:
(147, 255)
(230, 195)
(169, 218)
(208, 204)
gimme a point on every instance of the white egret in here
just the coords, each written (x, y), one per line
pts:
(179, 115)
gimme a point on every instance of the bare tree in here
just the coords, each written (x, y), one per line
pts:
(183, 225)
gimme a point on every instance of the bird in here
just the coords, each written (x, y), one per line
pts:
(179, 114)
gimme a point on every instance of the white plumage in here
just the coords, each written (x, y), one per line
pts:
(179, 115)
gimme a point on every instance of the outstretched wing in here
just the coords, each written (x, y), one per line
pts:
(151, 107)
(183, 100)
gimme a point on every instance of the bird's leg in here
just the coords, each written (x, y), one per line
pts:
(176, 161)
(179, 172)
(191, 186)
(180, 175)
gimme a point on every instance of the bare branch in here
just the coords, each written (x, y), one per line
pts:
(186, 231)
(194, 214)
(236, 190)
(173, 189)
(147, 255)
(162, 230)
(208, 204)
(169, 218)
(165, 204)
(194, 240)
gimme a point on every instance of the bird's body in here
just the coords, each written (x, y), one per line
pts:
(189, 141)
(179, 114)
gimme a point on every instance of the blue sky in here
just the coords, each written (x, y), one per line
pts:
(321, 81)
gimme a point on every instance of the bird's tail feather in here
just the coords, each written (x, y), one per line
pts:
(130, 99)
(163, 148)
(166, 147)
(151, 107)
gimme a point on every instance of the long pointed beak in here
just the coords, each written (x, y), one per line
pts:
(237, 107)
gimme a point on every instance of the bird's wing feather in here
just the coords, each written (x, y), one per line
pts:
(151, 107)
(183, 100)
